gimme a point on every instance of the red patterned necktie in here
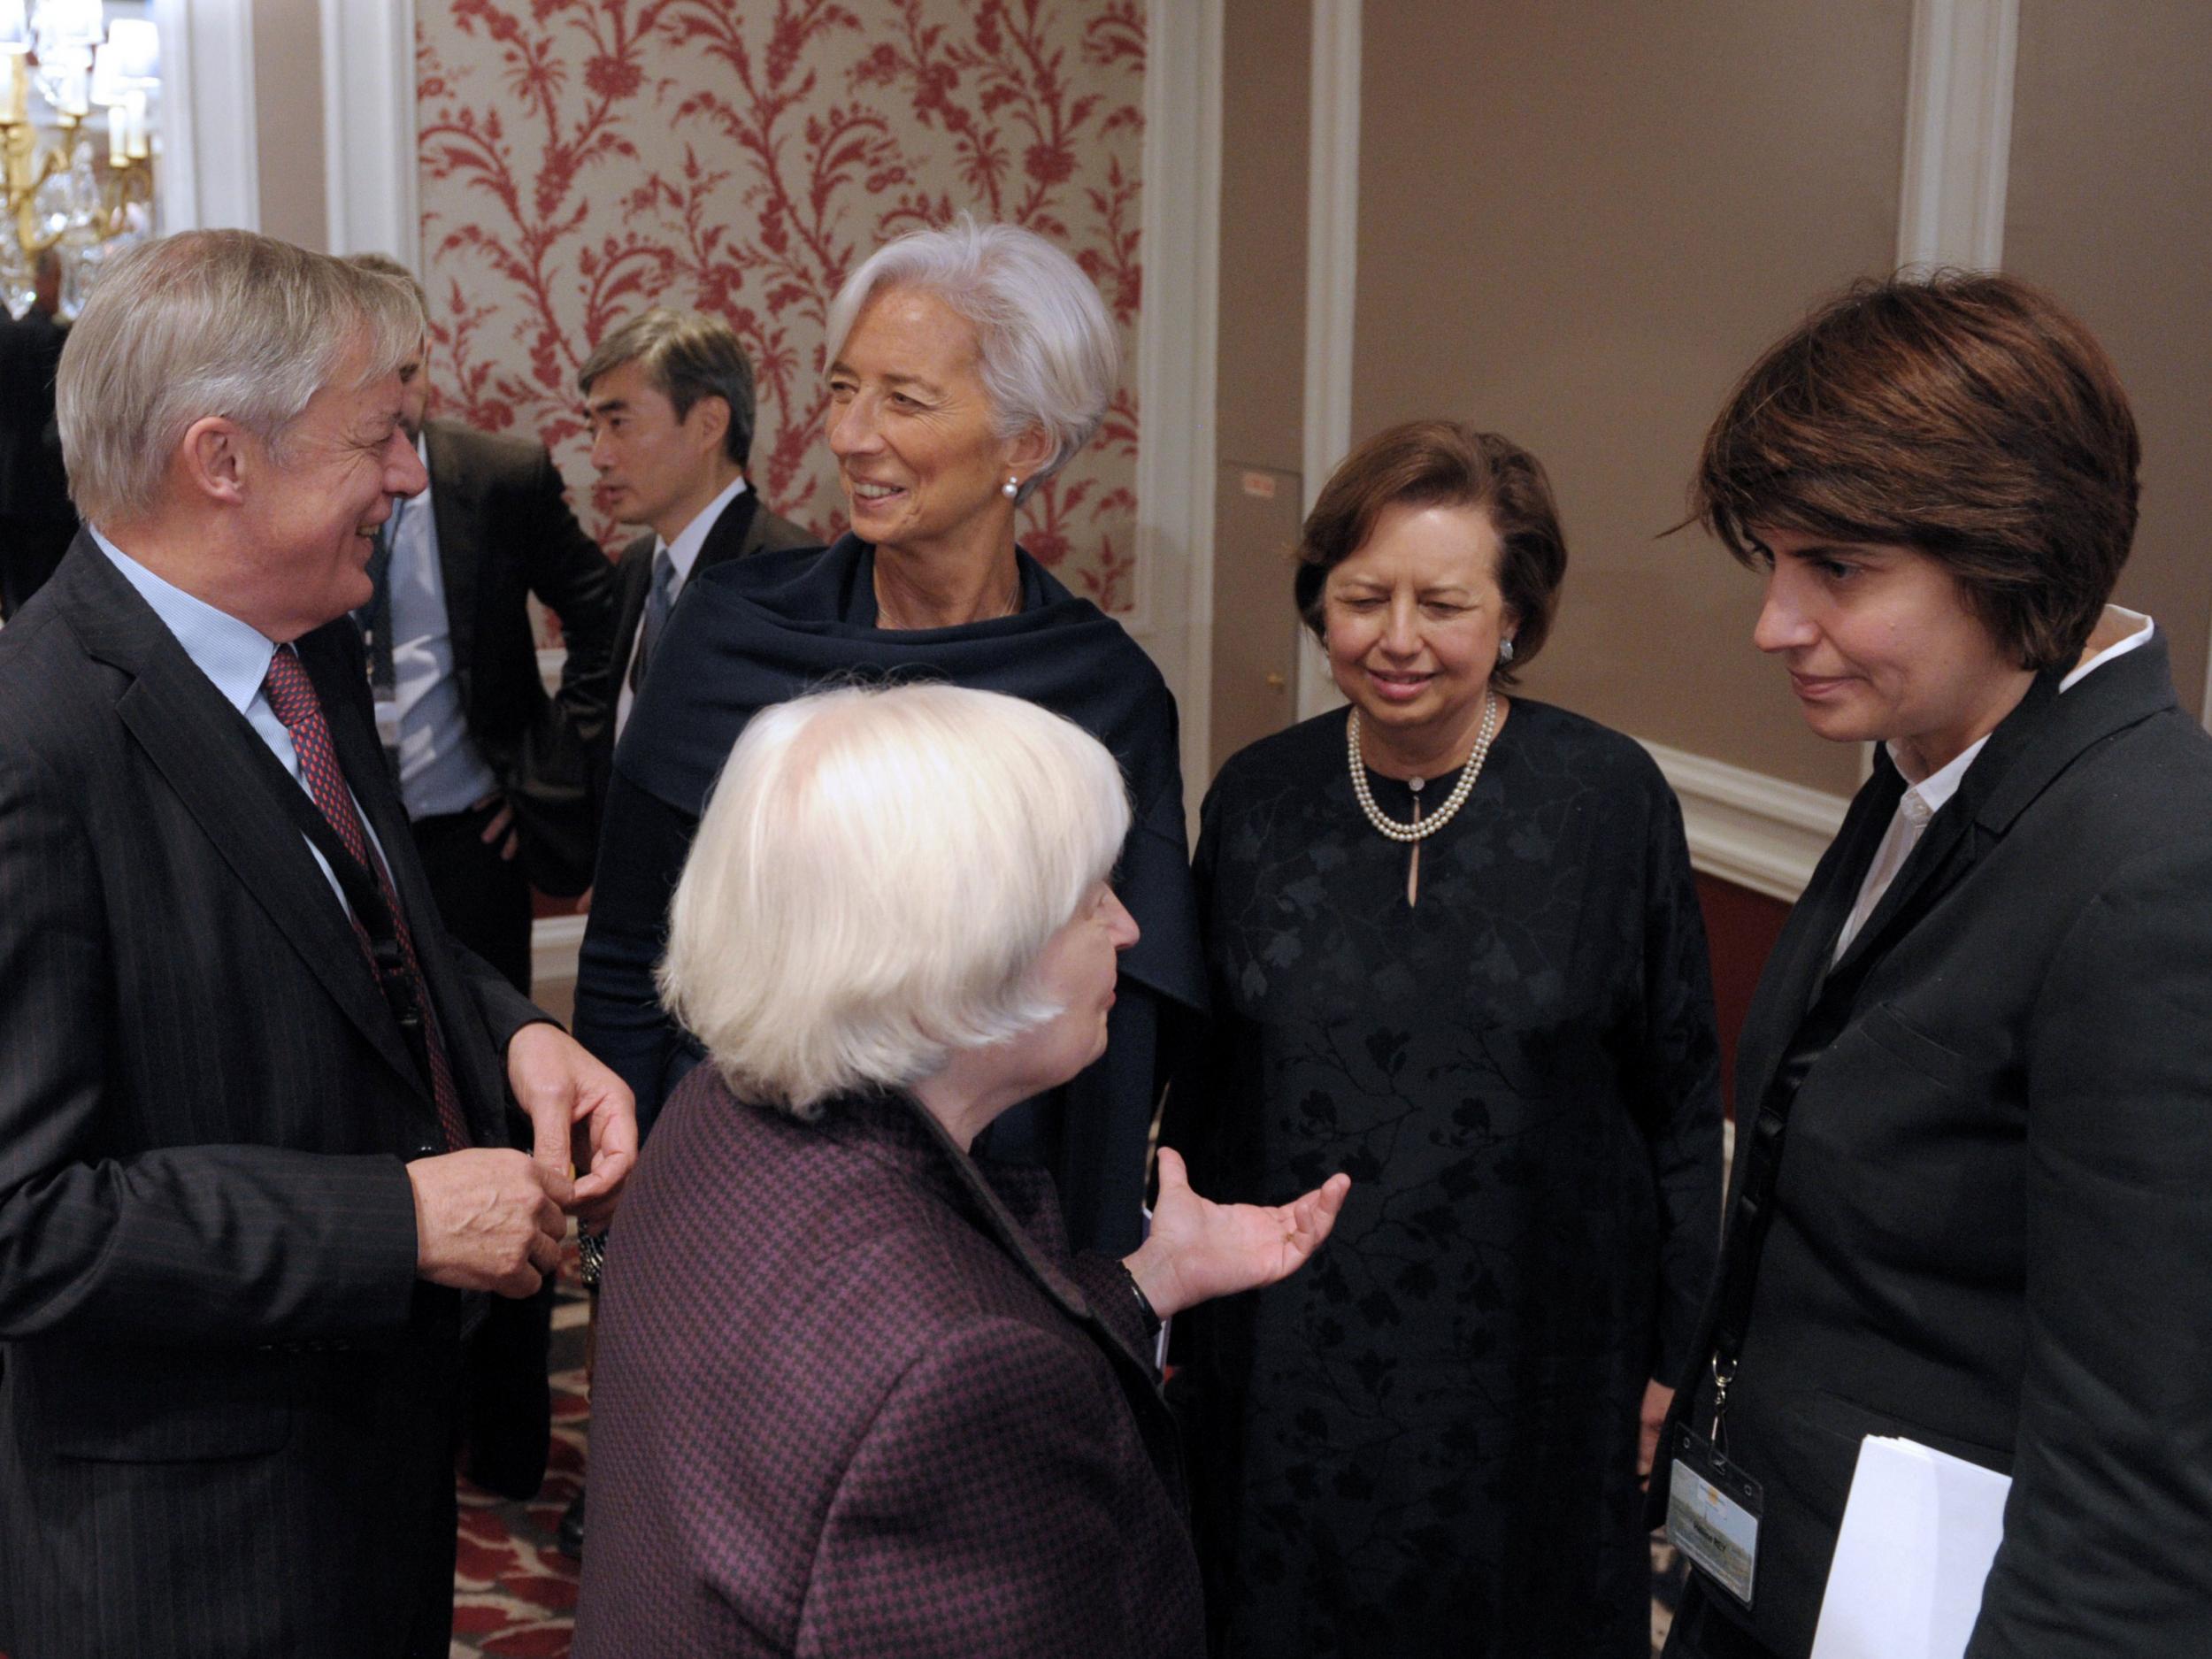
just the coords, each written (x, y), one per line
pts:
(292, 695)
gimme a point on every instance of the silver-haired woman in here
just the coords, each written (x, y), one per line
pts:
(855, 1395)
(965, 366)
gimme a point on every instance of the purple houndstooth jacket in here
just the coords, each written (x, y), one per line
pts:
(854, 1398)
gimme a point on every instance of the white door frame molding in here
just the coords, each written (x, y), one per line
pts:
(1958, 133)
(211, 175)
(369, 163)
(1332, 281)
(1958, 144)
(1175, 367)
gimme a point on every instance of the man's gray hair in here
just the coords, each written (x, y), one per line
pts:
(210, 323)
(384, 265)
(874, 880)
(1049, 355)
(684, 356)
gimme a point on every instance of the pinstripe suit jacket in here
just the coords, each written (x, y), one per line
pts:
(225, 1407)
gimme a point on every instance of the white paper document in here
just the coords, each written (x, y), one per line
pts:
(1918, 1534)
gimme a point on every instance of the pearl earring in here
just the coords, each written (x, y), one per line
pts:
(1505, 650)
(1010, 488)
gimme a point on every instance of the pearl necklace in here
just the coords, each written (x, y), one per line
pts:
(1421, 829)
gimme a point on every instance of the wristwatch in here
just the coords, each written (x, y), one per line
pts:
(591, 1255)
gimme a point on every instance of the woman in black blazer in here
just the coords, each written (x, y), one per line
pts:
(1972, 1202)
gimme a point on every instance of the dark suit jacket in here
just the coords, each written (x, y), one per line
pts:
(745, 526)
(37, 521)
(853, 1400)
(34, 484)
(505, 533)
(226, 1423)
(1992, 1229)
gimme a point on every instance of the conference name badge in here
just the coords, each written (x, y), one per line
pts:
(1713, 1510)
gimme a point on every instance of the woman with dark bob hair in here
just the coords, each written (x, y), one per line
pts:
(856, 1396)
(1972, 1204)
(1454, 949)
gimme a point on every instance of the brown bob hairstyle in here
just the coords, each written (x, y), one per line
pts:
(1968, 417)
(1444, 464)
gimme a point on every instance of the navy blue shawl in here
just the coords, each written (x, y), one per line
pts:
(756, 632)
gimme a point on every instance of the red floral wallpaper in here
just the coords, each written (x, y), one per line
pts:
(582, 159)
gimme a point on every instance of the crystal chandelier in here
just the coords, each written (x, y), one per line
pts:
(59, 60)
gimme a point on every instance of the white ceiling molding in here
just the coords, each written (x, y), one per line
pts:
(369, 165)
(1175, 367)
(1332, 281)
(1747, 828)
(210, 173)
(1958, 133)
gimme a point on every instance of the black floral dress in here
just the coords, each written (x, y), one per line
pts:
(1425, 1443)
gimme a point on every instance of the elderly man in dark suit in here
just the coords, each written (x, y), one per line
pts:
(256, 1175)
(670, 395)
(488, 766)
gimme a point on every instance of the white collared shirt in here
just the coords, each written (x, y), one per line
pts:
(683, 553)
(1922, 801)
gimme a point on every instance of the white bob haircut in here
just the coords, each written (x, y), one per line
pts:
(874, 880)
(1049, 353)
(211, 322)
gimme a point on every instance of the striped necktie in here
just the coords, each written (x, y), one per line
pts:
(292, 697)
(658, 603)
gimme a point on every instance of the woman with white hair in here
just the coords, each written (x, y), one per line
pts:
(965, 366)
(855, 1396)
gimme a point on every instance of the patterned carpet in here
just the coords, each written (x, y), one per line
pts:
(514, 1593)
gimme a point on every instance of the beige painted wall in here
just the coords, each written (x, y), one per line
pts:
(1267, 52)
(2110, 206)
(1579, 236)
(287, 85)
(1260, 358)
(1579, 222)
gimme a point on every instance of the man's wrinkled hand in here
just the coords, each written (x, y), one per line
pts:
(581, 1114)
(486, 1218)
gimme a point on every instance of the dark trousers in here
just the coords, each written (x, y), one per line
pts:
(507, 1398)
(430, 1627)
(1702, 1630)
(29, 550)
(483, 899)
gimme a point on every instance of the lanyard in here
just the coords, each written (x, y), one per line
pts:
(1832, 1005)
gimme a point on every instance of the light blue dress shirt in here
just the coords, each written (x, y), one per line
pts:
(235, 657)
(440, 769)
